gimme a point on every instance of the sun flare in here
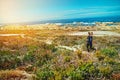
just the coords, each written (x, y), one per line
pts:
(7, 11)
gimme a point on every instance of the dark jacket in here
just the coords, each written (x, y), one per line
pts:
(89, 39)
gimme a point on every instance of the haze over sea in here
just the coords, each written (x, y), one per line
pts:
(89, 20)
(86, 20)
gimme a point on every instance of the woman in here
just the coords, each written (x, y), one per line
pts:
(89, 42)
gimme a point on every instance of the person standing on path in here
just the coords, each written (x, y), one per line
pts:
(90, 42)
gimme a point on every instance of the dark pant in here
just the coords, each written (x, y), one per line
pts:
(89, 46)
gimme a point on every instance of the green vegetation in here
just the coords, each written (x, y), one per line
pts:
(49, 62)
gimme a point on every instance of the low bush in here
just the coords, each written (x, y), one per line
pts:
(9, 60)
(110, 52)
(45, 73)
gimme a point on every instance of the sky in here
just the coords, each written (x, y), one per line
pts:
(12, 11)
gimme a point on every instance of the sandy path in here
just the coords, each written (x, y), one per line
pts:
(96, 33)
(7, 35)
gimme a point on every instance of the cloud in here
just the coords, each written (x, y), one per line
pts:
(92, 11)
(85, 12)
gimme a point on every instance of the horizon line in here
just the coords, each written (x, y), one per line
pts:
(54, 20)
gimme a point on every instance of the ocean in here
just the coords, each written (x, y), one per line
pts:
(88, 20)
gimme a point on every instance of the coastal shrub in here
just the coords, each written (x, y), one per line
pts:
(84, 71)
(88, 70)
(50, 47)
(66, 52)
(110, 52)
(116, 67)
(110, 61)
(9, 60)
(68, 58)
(76, 75)
(39, 55)
(68, 40)
(99, 55)
(45, 73)
(105, 71)
(29, 57)
(79, 54)
(43, 58)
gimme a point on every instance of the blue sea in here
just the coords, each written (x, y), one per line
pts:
(88, 20)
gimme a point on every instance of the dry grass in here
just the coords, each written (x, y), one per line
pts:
(11, 75)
